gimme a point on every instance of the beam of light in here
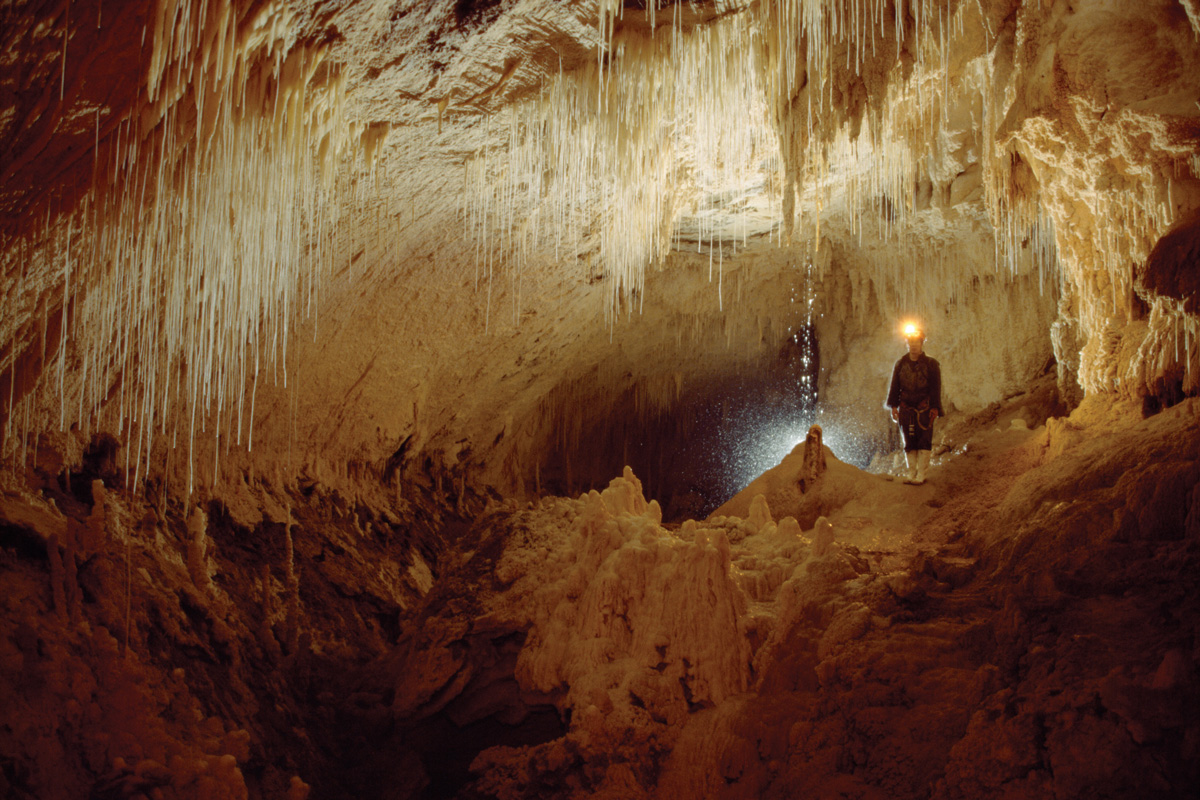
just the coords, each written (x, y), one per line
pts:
(759, 438)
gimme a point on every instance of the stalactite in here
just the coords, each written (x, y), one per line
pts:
(188, 252)
(630, 144)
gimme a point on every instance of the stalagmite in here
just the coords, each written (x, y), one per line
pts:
(197, 550)
(822, 537)
(814, 458)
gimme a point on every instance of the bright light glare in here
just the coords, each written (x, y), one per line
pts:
(775, 442)
(761, 447)
(910, 330)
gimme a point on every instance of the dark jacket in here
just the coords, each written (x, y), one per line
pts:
(916, 383)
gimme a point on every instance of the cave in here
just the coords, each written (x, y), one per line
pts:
(490, 399)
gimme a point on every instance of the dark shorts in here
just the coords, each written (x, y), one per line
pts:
(917, 427)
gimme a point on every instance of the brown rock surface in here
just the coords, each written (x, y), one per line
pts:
(325, 328)
(1023, 623)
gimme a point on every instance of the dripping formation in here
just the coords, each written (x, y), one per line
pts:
(204, 235)
(596, 169)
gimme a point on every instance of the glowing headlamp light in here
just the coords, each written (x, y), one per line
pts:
(911, 331)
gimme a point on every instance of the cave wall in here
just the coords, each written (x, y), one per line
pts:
(1072, 151)
(1109, 143)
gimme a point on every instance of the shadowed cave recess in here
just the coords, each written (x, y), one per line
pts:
(482, 399)
(703, 449)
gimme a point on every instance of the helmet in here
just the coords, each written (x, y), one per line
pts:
(913, 331)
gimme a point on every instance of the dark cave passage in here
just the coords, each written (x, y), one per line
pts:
(712, 442)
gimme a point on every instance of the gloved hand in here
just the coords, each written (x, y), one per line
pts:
(933, 414)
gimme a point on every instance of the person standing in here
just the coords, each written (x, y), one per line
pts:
(915, 400)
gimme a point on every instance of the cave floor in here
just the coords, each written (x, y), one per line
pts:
(1023, 624)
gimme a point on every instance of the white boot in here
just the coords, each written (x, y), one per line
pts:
(922, 465)
(910, 462)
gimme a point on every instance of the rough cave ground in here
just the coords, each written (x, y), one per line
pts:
(986, 634)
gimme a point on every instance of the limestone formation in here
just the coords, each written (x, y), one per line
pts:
(822, 537)
(94, 534)
(197, 550)
(814, 458)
